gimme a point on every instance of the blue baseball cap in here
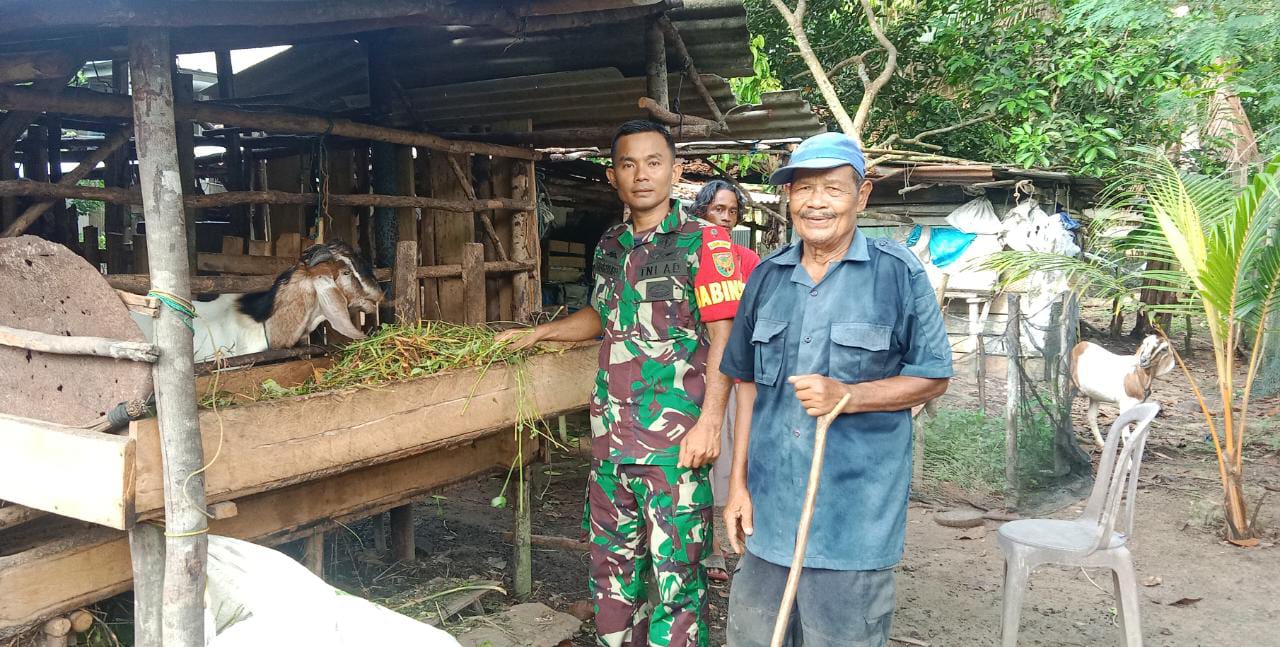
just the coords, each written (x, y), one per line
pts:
(828, 150)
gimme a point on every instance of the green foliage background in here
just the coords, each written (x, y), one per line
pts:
(1071, 83)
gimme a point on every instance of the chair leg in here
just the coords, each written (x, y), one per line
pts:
(1125, 582)
(1016, 573)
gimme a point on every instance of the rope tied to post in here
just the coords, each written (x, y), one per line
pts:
(186, 311)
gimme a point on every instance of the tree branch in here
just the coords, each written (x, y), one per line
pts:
(871, 90)
(856, 58)
(795, 22)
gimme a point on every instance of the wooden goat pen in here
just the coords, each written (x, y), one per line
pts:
(291, 468)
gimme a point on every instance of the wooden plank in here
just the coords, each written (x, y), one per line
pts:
(473, 283)
(93, 564)
(500, 186)
(39, 456)
(233, 246)
(341, 182)
(313, 554)
(15, 515)
(139, 283)
(289, 246)
(259, 248)
(451, 234)
(252, 264)
(285, 174)
(405, 280)
(247, 381)
(273, 444)
(526, 288)
(406, 217)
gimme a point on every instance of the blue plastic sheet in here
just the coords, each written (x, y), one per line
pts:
(947, 244)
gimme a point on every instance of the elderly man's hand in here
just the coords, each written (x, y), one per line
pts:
(521, 338)
(819, 394)
(701, 444)
(739, 518)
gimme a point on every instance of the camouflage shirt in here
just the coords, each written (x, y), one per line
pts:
(654, 291)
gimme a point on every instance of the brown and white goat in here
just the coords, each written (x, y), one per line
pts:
(330, 283)
(1122, 380)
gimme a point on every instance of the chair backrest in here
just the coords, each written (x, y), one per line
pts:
(1117, 480)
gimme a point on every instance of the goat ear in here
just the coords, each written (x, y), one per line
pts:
(1166, 362)
(316, 254)
(333, 305)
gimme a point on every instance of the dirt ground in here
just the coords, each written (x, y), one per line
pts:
(1200, 591)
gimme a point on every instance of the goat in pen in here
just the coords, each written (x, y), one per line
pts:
(1122, 380)
(330, 283)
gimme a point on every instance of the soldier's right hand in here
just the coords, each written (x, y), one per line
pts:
(738, 518)
(521, 338)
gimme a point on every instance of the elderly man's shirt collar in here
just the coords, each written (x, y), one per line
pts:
(790, 255)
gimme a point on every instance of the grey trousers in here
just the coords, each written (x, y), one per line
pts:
(721, 467)
(833, 608)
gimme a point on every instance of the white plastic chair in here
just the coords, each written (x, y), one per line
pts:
(1097, 538)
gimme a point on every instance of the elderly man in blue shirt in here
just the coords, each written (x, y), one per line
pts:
(833, 313)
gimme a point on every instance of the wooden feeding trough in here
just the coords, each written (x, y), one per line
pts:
(291, 467)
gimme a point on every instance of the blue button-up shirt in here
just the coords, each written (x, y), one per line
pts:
(873, 316)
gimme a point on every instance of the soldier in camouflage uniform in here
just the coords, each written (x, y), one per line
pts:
(666, 289)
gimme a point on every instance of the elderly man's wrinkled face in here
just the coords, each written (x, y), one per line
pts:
(724, 209)
(825, 204)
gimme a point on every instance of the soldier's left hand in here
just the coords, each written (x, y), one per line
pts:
(818, 394)
(701, 445)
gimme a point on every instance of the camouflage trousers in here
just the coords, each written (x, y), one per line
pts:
(649, 522)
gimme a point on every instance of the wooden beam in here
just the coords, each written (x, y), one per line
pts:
(95, 104)
(186, 545)
(655, 66)
(525, 245)
(241, 264)
(39, 455)
(659, 113)
(16, 120)
(686, 61)
(405, 282)
(583, 136)
(114, 195)
(64, 345)
(140, 283)
(110, 145)
(15, 515)
(35, 66)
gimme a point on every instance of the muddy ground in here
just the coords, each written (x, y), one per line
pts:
(1201, 591)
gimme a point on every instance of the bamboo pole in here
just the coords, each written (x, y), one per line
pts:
(94, 104)
(186, 544)
(80, 172)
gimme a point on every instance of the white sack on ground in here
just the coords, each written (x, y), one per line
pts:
(260, 596)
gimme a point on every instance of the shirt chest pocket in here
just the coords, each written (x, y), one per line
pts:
(859, 351)
(769, 338)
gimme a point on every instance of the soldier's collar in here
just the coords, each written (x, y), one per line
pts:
(673, 222)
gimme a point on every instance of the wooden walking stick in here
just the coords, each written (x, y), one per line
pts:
(806, 516)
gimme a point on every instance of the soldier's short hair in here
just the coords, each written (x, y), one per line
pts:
(637, 126)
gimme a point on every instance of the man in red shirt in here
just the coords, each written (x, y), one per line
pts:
(720, 203)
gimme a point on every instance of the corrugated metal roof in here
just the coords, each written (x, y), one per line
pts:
(458, 77)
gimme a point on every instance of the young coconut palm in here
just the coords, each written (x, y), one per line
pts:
(1218, 241)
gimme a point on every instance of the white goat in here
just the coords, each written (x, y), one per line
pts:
(1122, 380)
(330, 283)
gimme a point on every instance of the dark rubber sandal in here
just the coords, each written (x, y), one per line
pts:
(717, 570)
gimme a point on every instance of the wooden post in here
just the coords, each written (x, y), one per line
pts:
(90, 247)
(406, 217)
(234, 157)
(313, 553)
(403, 545)
(405, 280)
(473, 287)
(146, 548)
(380, 533)
(1067, 452)
(55, 633)
(117, 173)
(183, 91)
(526, 288)
(522, 546)
(655, 69)
(186, 544)
(1013, 401)
(80, 172)
(64, 232)
(8, 205)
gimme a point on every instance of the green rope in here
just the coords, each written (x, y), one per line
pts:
(186, 311)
